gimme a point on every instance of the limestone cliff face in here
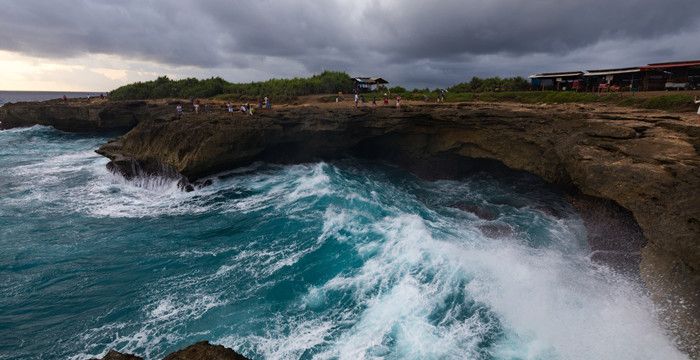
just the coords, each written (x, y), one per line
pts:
(646, 162)
(78, 115)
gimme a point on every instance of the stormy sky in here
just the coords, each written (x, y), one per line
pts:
(99, 45)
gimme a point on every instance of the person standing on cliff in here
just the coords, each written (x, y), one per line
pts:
(697, 102)
(357, 99)
(398, 101)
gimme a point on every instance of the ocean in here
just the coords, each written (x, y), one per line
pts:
(17, 96)
(349, 259)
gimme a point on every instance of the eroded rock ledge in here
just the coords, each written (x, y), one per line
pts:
(647, 162)
(79, 115)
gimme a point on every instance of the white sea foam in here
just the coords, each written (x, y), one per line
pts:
(550, 304)
(161, 325)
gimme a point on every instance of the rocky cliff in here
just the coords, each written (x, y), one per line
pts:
(646, 163)
(79, 115)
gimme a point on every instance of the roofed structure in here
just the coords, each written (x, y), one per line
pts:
(369, 83)
(674, 64)
(607, 72)
(557, 75)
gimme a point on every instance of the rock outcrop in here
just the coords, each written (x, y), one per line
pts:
(79, 115)
(646, 162)
(202, 350)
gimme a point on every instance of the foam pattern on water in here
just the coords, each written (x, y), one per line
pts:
(345, 260)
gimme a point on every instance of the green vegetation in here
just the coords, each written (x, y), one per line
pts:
(669, 102)
(329, 82)
(478, 85)
(279, 89)
(672, 102)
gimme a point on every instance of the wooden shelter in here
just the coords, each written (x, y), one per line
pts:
(613, 79)
(365, 84)
(557, 80)
(678, 75)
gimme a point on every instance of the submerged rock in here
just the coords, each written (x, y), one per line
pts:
(115, 355)
(480, 211)
(496, 230)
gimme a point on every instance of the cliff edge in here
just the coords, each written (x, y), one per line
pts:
(646, 162)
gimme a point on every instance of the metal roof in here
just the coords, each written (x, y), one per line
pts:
(371, 80)
(672, 64)
(556, 75)
(611, 71)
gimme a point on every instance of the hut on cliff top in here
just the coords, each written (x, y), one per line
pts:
(365, 84)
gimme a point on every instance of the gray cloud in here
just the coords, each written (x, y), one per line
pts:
(417, 43)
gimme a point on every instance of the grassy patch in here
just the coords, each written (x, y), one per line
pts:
(668, 102)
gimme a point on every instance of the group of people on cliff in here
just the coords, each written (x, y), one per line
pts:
(359, 99)
(265, 103)
(245, 108)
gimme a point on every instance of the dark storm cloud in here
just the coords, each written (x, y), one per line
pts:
(417, 42)
(521, 27)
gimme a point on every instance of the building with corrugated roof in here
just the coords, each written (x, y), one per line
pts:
(364, 84)
(613, 79)
(556, 81)
(678, 75)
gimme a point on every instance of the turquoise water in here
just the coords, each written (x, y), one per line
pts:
(345, 260)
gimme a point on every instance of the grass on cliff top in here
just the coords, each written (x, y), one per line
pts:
(668, 102)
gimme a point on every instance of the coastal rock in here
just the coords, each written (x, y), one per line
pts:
(202, 350)
(79, 115)
(650, 174)
(644, 161)
(205, 351)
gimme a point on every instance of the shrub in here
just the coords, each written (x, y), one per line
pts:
(163, 87)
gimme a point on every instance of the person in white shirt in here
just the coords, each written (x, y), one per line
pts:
(697, 102)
